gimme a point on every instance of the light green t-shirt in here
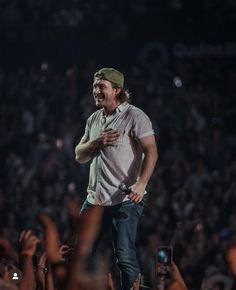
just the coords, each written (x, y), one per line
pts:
(117, 163)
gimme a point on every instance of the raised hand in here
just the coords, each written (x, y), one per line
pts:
(8, 249)
(64, 249)
(136, 284)
(51, 237)
(28, 242)
(110, 284)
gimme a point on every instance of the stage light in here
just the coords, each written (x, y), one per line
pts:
(44, 66)
(177, 82)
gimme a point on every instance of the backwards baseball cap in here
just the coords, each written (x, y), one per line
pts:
(110, 74)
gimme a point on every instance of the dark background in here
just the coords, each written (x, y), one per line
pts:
(178, 58)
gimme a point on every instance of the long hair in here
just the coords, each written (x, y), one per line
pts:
(123, 96)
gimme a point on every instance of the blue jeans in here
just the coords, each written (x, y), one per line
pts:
(123, 219)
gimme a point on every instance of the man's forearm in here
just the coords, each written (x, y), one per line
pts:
(84, 151)
(148, 165)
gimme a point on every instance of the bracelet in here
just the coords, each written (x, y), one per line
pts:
(27, 253)
(44, 269)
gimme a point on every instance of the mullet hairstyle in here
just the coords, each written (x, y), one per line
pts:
(123, 96)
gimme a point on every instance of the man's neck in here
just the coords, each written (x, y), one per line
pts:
(110, 111)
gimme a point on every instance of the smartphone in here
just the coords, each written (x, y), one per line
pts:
(164, 255)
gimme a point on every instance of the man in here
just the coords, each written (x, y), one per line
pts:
(120, 144)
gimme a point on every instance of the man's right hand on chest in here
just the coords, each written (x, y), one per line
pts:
(107, 137)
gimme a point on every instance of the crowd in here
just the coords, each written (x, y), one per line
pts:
(36, 20)
(192, 191)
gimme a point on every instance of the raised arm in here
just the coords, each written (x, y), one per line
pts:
(28, 242)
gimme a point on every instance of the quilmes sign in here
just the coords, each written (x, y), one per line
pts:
(227, 49)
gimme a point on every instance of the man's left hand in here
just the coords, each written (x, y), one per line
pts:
(137, 192)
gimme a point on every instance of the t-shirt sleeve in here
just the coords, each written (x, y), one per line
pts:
(85, 137)
(142, 126)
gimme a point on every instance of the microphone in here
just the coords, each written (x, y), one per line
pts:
(124, 188)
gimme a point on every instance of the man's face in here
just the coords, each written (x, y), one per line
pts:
(104, 94)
